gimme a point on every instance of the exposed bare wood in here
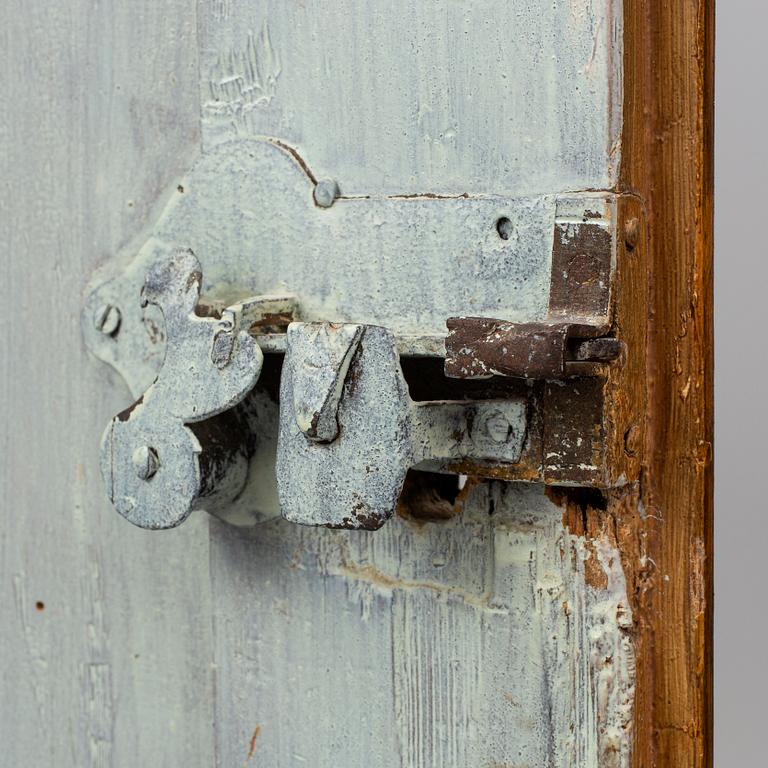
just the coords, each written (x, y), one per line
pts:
(667, 545)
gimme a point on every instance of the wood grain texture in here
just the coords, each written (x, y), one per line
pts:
(667, 161)
(106, 630)
(467, 96)
(495, 638)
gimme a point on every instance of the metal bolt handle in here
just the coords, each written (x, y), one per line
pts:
(352, 375)
(165, 455)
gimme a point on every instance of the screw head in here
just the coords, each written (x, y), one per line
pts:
(497, 427)
(145, 462)
(632, 233)
(325, 193)
(106, 319)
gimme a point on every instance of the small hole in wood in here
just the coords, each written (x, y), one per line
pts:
(504, 227)
(40, 605)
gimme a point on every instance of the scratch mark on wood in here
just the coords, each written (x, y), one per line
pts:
(221, 9)
(698, 580)
(252, 743)
(243, 79)
(380, 580)
(96, 674)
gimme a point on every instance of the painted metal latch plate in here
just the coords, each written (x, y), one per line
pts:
(299, 352)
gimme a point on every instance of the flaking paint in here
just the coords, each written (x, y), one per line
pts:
(249, 625)
(473, 641)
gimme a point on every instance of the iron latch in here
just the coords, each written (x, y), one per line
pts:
(504, 352)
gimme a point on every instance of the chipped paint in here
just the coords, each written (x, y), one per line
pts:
(476, 640)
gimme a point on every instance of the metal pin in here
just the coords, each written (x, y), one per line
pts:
(146, 462)
(326, 192)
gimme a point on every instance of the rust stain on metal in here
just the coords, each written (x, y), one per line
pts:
(272, 323)
(574, 432)
(584, 366)
(581, 270)
(479, 347)
(604, 350)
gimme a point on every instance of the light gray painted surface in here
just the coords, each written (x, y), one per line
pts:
(100, 112)
(468, 643)
(474, 642)
(409, 97)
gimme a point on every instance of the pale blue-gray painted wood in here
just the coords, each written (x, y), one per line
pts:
(466, 643)
(100, 111)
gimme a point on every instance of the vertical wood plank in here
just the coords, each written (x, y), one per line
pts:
(667, 160)
(106, 629)
(498, 637)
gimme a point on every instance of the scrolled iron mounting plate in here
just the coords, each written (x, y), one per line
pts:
(155, 467)
(407, 263)
(370, 279)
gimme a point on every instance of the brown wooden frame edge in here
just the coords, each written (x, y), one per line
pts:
(665, 533)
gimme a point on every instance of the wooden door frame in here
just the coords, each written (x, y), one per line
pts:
(667, 159)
